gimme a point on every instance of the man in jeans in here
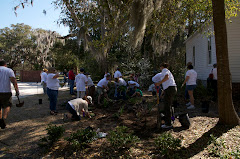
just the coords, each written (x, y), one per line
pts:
(71, 78)
(6, 77)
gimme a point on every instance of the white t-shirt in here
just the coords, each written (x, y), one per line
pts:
(5, 83)
(43, 77)
(81, 80)
(103, 82)
(90, 82)
(132, 84)
(52, 83)
(170, 81)
(78, 104)
(214, 71)
(117, 74)
(121, 82)
(152, 88)
(158, 77)
(192, 74)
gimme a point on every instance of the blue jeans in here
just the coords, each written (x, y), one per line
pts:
(73, 112)
(52, 94)
(71, 86)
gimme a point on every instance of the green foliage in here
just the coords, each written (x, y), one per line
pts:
(54, 134)
(235, 154)
(203, 93)
(122, 138)
(167, 145)
(135, 100)
(217, 147)
(119, 113)
(81, 138)
(105, 102)
(22, 44)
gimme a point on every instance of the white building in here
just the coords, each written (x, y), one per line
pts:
(201, 50)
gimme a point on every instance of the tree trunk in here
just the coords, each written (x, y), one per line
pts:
(227, 113)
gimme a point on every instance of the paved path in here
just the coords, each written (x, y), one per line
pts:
(31, 88)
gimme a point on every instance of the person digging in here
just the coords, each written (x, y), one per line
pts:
(77, 106)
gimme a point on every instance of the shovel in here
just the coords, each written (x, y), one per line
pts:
(19, 104)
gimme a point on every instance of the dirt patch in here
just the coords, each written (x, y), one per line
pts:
(26, 125)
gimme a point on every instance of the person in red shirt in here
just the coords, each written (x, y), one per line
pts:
(71, 78)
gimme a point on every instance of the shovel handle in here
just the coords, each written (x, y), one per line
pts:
(18, 99)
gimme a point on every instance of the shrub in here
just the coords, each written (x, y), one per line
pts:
(54, 134)
(217, 145)
(122, 138)
(167, 145)
(81, 138)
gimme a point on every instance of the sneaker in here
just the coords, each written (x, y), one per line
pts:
(2, 124)
(166, 126)
(191, 107)
(188, 104)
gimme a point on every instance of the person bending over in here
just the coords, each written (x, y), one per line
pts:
(76, 106)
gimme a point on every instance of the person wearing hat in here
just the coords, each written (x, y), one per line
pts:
(44, 80)
(76, 106)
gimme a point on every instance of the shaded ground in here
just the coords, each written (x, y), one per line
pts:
(27, 125)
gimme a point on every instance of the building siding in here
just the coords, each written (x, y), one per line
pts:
(200, 41)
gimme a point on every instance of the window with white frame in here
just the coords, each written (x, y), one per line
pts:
(193, 57)
(209, 50)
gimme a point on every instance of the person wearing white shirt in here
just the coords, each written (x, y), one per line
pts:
(131, 85)
(81, 82)
(44, 80)
(120, 88)
(52, 89)
(7, 77)
(91, 86)
(117, 74)
(170, 89)
(191, 84)
(76, 106)
(102, 88)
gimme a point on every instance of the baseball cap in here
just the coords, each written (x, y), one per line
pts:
(90, 99)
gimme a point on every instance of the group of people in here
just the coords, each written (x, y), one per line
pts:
(85, 90)
(50, 83)
(166, 79)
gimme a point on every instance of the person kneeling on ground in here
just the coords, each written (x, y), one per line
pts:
(137, 93)
(120, 88)
(76, 106)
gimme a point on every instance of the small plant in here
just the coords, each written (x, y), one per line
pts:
(235, 154)
(119, 113)
(105, 102)
(134, 101)
(122, 138)
(167, 145)
(54, 134)
(217, 146)
(81, 138)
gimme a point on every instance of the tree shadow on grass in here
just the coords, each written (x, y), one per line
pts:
(203, 141)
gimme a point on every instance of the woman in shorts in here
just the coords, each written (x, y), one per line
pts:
(191, 84)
